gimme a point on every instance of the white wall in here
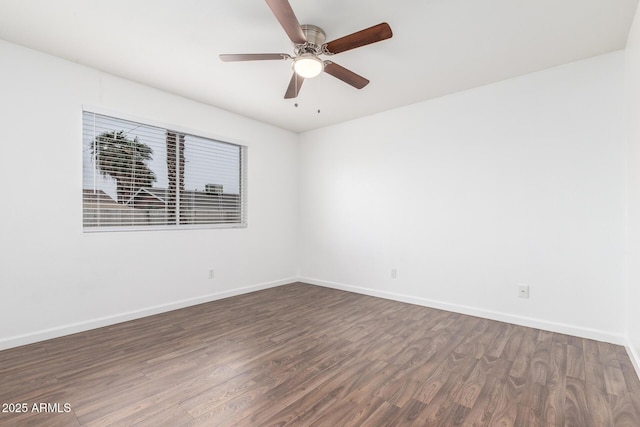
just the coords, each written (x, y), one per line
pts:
(469, 195)
(53, 278)
(633, 166)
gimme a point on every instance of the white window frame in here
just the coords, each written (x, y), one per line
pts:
(243, 167)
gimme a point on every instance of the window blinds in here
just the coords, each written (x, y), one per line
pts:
(137, 176)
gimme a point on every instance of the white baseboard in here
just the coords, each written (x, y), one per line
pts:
(19, 340)
(546, 325)
(634, 356)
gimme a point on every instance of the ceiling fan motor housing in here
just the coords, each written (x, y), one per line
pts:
(315, 39)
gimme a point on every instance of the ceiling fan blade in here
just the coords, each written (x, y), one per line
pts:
(232, 57)
(347, 76)
(361, 38)
(294, 86)
(284, 14)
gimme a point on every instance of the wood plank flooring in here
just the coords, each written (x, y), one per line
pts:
(304, 355)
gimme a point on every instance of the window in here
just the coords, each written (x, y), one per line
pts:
(137, 176)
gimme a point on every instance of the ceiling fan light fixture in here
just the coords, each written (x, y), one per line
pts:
(308, 65)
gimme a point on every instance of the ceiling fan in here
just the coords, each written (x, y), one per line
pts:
(309, 44)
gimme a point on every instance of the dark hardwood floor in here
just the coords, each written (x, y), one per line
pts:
(304, 355)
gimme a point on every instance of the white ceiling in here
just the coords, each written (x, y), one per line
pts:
(438, 47)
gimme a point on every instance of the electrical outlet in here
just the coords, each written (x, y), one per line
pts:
(394, 273)
(523, 291)
(212, 274)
